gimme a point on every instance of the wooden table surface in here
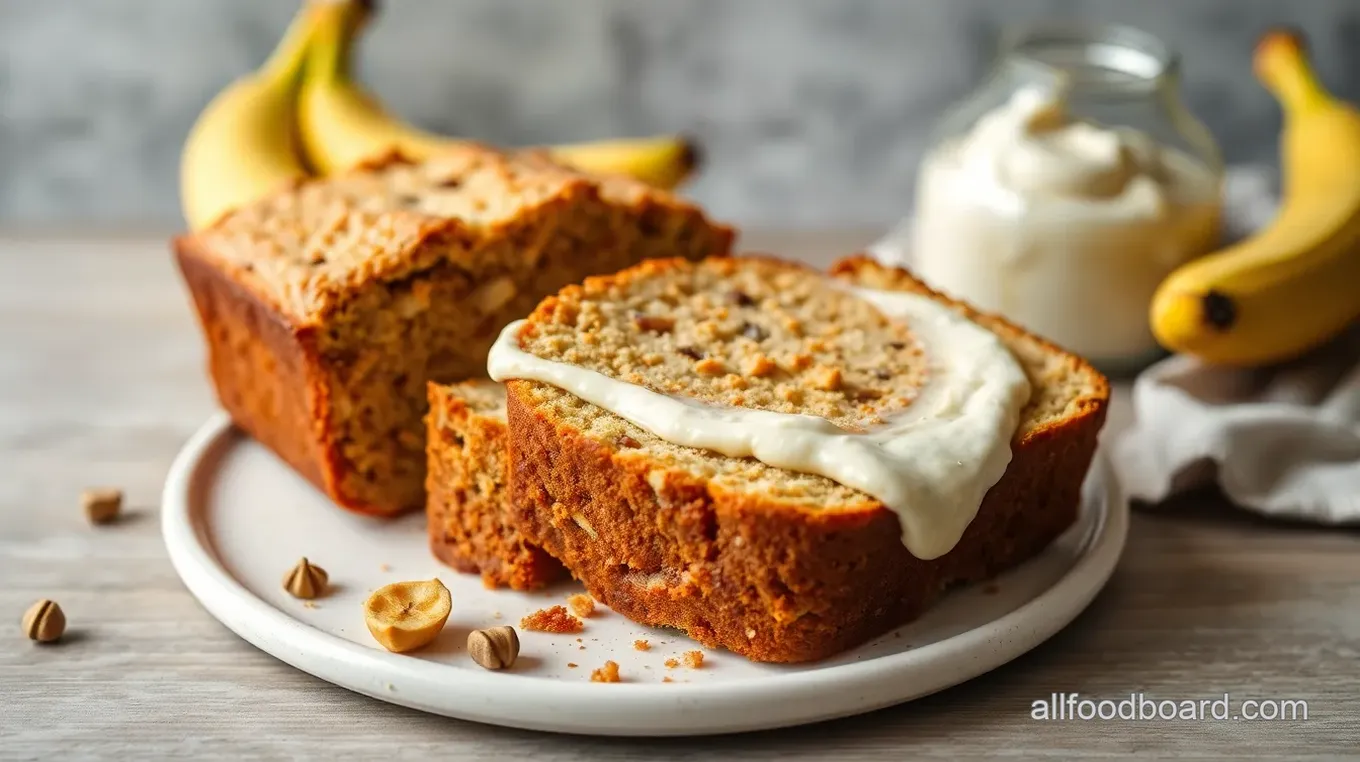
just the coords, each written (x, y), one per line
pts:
(100, 383)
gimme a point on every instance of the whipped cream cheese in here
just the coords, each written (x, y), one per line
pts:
(931, 463)
(1061, 224)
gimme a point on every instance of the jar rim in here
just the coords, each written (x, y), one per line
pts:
(1107, 57)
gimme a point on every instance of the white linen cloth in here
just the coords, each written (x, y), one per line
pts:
(1281, 441)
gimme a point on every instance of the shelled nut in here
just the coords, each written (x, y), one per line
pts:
(306, 581)
(494, 648)
(44, 621)
(102, 505)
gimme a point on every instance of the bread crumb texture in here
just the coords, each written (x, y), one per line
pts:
(552, 619)
(694, 659)
(736, 332)
(641, 645)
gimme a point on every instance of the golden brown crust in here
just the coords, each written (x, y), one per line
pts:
(327, 306)
(769, 579)
(264, 369)
(468, 507)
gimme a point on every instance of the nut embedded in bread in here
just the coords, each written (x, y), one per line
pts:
(772, 564)
(328, 306)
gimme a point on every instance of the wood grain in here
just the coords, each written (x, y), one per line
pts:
(100, 383)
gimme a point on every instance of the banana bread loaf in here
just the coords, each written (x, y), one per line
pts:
(328, 306)
(774, 564)
(468, 507)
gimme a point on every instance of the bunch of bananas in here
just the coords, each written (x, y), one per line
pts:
(1296, 283)
(302, 113)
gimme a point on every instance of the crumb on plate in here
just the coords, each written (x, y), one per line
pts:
(609, 673)
(581, 604)
(552, 619)
(672, 663)
(641, 645)
(694, 659)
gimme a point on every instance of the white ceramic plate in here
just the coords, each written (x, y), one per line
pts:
(235, 519)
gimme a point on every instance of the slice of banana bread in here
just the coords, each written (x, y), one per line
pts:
(468, 507)
(328, 306)
(770, 563)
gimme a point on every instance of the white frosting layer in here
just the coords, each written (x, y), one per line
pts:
(931, 463)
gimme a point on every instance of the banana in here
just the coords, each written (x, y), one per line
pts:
(1296, 283)
(342, 125)
(243, 144)
(664, 162)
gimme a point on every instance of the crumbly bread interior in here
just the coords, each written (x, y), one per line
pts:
(607, 325)
(749, 333)
(469, 507)
(482, 397)
(400, 273)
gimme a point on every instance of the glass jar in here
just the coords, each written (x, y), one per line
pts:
(1067, 186)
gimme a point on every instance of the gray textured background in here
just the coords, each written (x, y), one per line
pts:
(814, 112)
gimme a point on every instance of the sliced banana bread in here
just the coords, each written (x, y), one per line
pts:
(774, 564)
(468, 505)
(328, 306)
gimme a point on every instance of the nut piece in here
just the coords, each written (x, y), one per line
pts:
(44, 621)
(494, 648)
(306, 581)
(826, 378)
(102, 505)
(404, 616)
(710, 366)
(653, 323)
(759, 366)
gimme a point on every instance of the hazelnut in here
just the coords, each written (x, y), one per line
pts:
(494, 648)
(44, 621)
(404, 616)
(306, 581)
(102, 506)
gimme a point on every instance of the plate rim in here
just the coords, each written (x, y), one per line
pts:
(536, 703)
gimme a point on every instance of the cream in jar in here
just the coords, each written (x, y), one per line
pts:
(1062, 225)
